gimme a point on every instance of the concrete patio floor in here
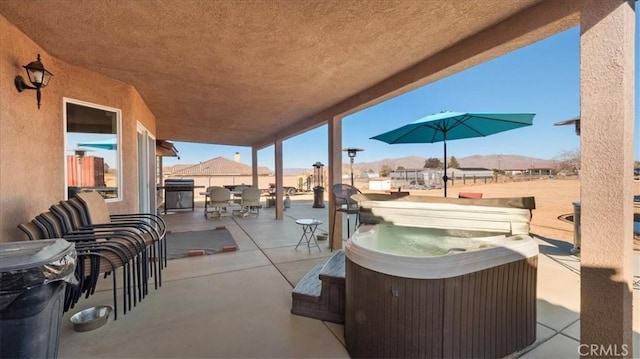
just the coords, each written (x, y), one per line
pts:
(237, 304)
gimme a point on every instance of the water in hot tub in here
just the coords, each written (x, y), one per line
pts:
(413, 241)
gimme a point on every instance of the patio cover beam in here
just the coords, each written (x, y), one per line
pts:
(334, 177)
(277, 147)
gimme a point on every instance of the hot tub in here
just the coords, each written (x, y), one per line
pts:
(440, 280)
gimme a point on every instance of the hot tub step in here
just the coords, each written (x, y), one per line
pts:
(320, 294)
(309, 288)
(333, 270)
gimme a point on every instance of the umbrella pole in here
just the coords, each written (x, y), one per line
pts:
(445, 178)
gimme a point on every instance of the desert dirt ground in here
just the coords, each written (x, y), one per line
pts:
(554, 198)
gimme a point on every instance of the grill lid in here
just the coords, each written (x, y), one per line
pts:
(173, 183)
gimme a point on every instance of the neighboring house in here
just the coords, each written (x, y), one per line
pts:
(221, 171)
(532, 171)
(218, 166)
(169, 170)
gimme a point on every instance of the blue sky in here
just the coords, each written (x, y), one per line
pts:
(542, 78)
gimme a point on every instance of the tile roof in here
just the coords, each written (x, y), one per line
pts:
(219, 166)
(174, 168)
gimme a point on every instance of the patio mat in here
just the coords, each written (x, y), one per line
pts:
(197, 243)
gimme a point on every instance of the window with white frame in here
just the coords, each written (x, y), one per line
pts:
(93, 153)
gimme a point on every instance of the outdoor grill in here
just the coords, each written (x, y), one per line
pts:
(178, 193)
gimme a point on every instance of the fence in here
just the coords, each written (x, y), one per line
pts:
(417, 179)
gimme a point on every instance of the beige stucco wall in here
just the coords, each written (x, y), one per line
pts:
(607, 126)
(32, 141)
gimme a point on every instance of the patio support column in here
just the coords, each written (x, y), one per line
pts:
(334, 177)
(607, 127)
(279, 178)
(159, 182)
(254, 167)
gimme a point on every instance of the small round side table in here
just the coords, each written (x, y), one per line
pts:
(309, 227)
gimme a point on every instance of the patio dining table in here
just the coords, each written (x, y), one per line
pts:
(235, 194)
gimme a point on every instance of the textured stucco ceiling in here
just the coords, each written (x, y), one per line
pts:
(240, 72)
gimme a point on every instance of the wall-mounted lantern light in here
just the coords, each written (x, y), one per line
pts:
(38, 76)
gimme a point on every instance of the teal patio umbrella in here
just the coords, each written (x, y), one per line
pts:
(448, 125)
(109, 144)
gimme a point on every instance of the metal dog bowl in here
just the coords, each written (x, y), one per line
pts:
(91, 318)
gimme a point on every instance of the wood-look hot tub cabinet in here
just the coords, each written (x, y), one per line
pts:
(441, 279)
(486, 314)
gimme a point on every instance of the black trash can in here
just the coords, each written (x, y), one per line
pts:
(318, 197)
(33, 278)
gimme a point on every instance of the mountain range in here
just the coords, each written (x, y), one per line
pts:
(504, 162)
